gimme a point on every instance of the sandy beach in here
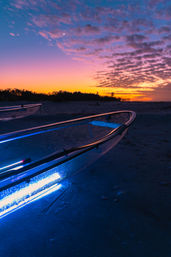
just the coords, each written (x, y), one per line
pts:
(119, 206)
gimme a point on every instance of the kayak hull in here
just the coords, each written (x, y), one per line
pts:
(18, 111)
(34, 180)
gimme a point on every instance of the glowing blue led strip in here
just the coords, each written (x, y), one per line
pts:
(28, 194)
(27, 135)
(34, 133)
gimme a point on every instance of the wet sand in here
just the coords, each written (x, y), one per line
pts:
(119, 206)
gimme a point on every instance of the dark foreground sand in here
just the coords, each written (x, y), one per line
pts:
(118, 207)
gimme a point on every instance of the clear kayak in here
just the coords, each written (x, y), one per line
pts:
(18, 111)
(35, 161)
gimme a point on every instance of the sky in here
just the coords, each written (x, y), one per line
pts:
(105, 46)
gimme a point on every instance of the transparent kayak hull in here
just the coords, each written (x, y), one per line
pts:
(22, 181)
(18, 111)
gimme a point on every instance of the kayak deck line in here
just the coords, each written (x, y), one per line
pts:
(46, 174)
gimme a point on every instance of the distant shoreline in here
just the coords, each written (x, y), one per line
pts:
(60, 96)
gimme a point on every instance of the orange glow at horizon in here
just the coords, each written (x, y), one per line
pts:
(49, 77)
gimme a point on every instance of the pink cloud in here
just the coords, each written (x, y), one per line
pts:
(12, 34)
(43, 34)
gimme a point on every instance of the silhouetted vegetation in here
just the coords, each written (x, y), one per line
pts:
(25, 95)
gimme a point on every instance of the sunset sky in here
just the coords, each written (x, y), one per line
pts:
(104, 46)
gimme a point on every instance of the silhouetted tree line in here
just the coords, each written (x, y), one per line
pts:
(25, 95)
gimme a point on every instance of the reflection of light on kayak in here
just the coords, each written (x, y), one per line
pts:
(14, 166)
(104, 124)
(18, 167)
(29, 193)
(11, 165)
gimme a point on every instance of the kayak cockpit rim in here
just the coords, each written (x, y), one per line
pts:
(30, 131)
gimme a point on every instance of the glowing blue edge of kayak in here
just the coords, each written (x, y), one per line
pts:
(31, 192)
(33, 134)
(24, 136)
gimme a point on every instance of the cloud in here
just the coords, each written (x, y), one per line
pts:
(135, 38)
(19, 4)
(105, 39)
(14, 34)
(164, 29)
(87, 29)
(160, 93)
